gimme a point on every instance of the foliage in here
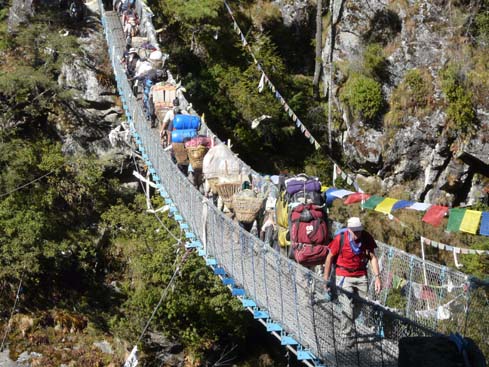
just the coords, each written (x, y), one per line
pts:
(461, 113)
(192, 11)
(363, 95)
(374, 62)
(412, 97)
(482, 27)
(198, 310)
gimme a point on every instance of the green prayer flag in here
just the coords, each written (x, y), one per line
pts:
(455, 219)
(373, 202)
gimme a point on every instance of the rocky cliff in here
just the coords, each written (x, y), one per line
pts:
(94, 111)
(414, 145)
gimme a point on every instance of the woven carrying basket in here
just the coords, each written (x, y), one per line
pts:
(196, 156)
(226, 191)
(246, 208)
(213, 181)
(180, 153)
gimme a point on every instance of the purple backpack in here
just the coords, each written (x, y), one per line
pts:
(295, 185)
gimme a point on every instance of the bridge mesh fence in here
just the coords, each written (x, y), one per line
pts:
(425, 297)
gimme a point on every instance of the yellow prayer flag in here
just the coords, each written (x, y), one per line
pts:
(470, 221)
(386, 205)
(324, 188)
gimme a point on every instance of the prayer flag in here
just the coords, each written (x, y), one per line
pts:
(291, 113)
(349, 181)
(132, 360)
(303, 128)
(307, 133)
(316, 145)
(294, 117)
(484, 230)
(341, 193)
(298, 123)
(329, 197)
(277, 95)
(243, 39)
(385, 206)
(470, 221)
(261, 84)
(373, 201)
(356, 198)
(435, 215)
(420, 206)
(455, 219)
(401, 204)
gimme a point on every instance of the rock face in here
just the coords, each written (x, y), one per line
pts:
(92, 84)
(433, 163)
(19, 11)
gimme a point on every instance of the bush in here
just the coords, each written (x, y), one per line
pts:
(461, 113)
(411, 97)
(374, 61)
(363, 95)
(482, 27)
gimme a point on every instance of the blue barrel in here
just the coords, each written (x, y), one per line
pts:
(183, 122)
(179, 136)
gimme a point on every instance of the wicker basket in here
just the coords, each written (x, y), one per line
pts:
(196, 156)
(180, 153)
(226, 190)
(212, 182)
(246, 208)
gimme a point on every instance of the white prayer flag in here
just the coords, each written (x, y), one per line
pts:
(261, 85)
(132, 360)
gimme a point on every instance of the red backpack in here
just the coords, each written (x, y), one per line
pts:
(309, 234)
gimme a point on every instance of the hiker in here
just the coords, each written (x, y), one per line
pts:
(130, 60)
(153, 77)
(350, 251)
(167, 123)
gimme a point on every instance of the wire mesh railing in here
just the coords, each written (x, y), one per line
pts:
(422, 297)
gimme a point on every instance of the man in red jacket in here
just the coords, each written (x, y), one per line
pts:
(351, 250)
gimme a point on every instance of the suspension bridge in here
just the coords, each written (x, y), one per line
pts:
(284, 296)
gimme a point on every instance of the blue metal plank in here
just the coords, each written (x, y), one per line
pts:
(238, 292)
(258, 314)
(271, 326)
(303, 355)
(248, 302)
(287, 340)
(228, 281)
(178, 218)
(219, 271)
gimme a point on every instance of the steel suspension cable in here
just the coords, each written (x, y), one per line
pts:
(7, 329)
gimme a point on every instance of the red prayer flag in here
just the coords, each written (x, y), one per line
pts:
(435, 214)
(356, 197)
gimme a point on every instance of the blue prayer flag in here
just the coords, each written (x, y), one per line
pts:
(328, 197)
(401, 204)
(484, 224)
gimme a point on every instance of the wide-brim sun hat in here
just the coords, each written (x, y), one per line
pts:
(354, 224)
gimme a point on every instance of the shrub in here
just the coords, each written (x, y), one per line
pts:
(461, 113)
(363, 95)
(374, 61)
(411, 97)
(482, 27)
